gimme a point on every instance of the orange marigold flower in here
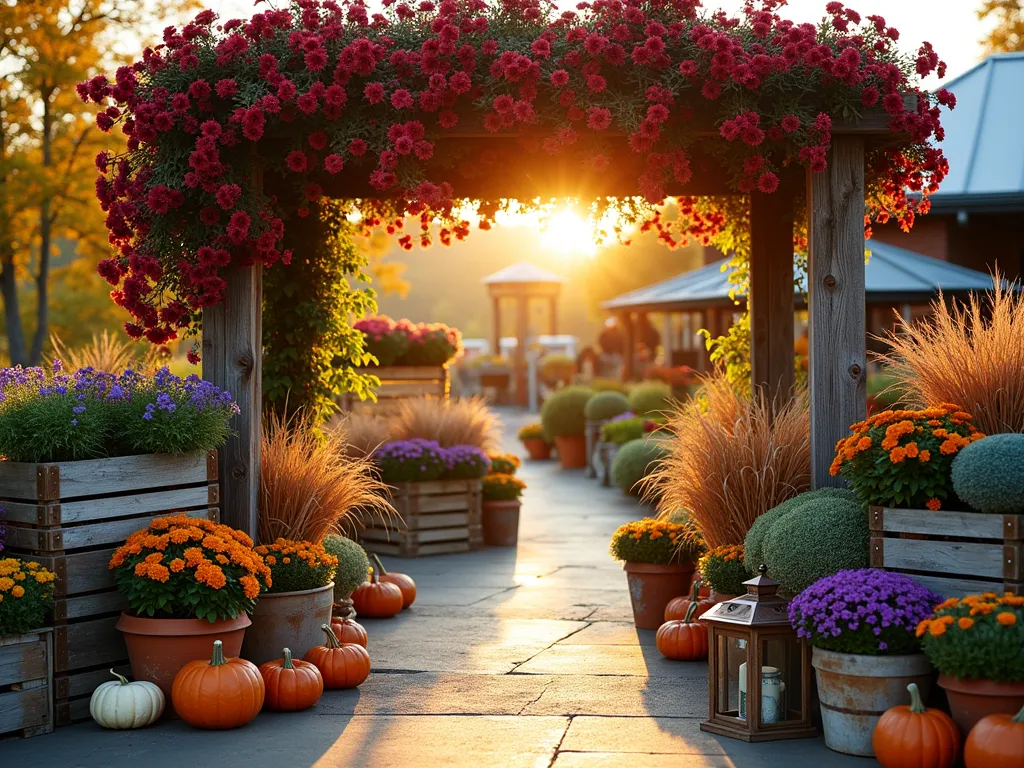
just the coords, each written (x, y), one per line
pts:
(250, 586)
(924, 456)
(155, 557)
(934, 504)
(19, 591)
(864, 443)
(936, 629)
(194, 556)
(1005, 618)
(922, 627)
(965, 623)
(948, 447)
(897, 454)
(1014, 600)
(949, 602)
(177, 565)
(912, 450)
(983, 608)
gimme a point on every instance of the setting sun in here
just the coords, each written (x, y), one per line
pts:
(568, 234)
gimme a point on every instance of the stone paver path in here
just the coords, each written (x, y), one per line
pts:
(509, 658)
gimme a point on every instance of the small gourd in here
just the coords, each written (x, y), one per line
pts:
(342, 666)
(121, 705)
(349, 631)
(678, 606)
(377, 599)
(996, 741)
(400, 580)
(683, 639)
(291, 684)
(219, 693)
(916, 737)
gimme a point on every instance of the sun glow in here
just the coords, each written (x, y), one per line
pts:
(569, 234)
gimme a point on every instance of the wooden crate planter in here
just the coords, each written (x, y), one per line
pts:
(26, 684)
(438, 518)
(70, 517)
(951, 553)
(401, 382)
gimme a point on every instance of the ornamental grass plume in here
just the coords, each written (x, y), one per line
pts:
(108, 354)
(730, 460)
(969, 353)
(309, 486)
(466, 421)
(364, 432)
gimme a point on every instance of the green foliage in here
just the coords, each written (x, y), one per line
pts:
(605, 405)
(500, 487)
(987, 474)
(309, 347)
(753, 544)
(820, 537)
(389, 347)
(532, 432)
(650, 397)
(562, 413)
(652, 541)
(353, 564)
(977, 638)
(48, 429)
(26, 596)
(724, 570)
(622, 431)
(635, 460)
(504, 463)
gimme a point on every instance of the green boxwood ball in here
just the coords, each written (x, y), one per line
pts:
(635, 460)
(353, 564)
(989, 474)
(562, 413)
(753, 544)
(605, 405)
(826, 536)
(650, 397)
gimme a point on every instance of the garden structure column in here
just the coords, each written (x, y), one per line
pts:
(522, 329)
(553, 315)
(835, 281)
(628, 346)
(497, 326)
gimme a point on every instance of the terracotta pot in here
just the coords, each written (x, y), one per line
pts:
(158, 648)
(501, 523)
(651, 587)
(572, 451)
(538, 448)
(855, 689)
(288, 620)
(971, 700)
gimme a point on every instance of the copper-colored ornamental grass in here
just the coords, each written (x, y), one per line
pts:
(971, 355)
(729, 463)
(466, 421)
(310, 487)
(108, 353)
(363, 432)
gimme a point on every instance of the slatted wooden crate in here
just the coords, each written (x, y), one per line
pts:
(951, 553)
(70, 517)
(26, 684)
(437, 518)
(401, 382)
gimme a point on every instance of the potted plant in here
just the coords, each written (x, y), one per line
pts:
(563, 419)
(634, 462)
(535, 441)
(299, 600)
(466, 462)
(504, 463)
(658, 558)
(861, 625)
(977, 644)
(724, 571)
(187, 581)
(501, 506)
(557, 370)
(353, 567)
(411, 461)
(649, 398)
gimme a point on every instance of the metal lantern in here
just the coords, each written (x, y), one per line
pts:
(759, 675)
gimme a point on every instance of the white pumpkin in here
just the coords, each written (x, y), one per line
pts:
(121, 705)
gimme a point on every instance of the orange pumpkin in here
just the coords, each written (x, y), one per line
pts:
(683, 639)
(291, 684)
(915, 737)
(996, 741)
(348, 631)
(342, 666)
(377, 599)
(400, 580)
(219, 693)
(678, 606)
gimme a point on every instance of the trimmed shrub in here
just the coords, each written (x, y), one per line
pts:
(987, 474)
(754, 542)
(827, 536)
(608, 385)
(636, 460)
(605, 405)
(562, 413)
(622, 431)
(650, 397)
(353, 564)
(724, 570)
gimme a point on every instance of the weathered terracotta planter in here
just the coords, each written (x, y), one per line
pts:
(538, 448)
(855, 689)
(288, 620)
(572, 451)
(652, 586)
(501, 522)
(971, 700)
(158, 648)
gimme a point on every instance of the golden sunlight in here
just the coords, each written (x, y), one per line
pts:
(568, 234)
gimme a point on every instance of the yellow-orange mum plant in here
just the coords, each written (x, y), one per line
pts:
(184, 567)
(26, 596)
(971, 354)
(979, 637)
(297, 565)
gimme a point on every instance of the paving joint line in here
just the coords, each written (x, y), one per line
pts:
(558, 746)
(548, 648)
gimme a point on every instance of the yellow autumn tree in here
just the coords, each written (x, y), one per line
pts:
(48, 141)
(1008, 33)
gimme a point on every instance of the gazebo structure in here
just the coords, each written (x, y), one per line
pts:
(893, 278)
(523, 282)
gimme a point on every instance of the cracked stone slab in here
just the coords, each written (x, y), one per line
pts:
(411, 627)
(610, 633)
(620, 696)
(634, 760)
(623, 660)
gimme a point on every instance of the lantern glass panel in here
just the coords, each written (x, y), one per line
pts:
(731, 666)
(781, 680)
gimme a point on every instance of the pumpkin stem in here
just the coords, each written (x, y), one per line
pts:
(380, 565)
(332, 639)
(122, 678)
(690, 611)
(374, 576)
(287, 663)
(218, 654)
(1019, 717)
(695, 591)
(916, 705)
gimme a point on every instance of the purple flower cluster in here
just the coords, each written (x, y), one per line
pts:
(411, 461)
(623, 416)
(467, 462)
(866, 611)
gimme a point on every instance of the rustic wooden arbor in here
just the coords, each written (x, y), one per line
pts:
(835, 215)
(523, 282)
